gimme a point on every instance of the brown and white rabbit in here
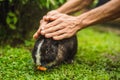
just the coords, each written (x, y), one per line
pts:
(48, 52)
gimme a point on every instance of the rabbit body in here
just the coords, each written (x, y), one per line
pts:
(48, 52)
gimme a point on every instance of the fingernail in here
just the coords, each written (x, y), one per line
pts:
(42, 28)
(47, 35)
(43, 32)
(55, 38)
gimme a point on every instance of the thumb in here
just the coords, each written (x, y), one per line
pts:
(38, 32)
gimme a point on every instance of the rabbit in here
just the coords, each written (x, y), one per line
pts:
(48, 52)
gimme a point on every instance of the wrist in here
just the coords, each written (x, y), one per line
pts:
(82, 22)
(60, 10)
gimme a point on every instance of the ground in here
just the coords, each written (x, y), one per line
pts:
(97, 59)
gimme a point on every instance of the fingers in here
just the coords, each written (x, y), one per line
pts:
(51, 27)
(64, 35)
(38, 32)
(52, 15)
(42, 24)
(56, 33)
(62, 26)
(49, 18)
(60, 37)
(49, 15)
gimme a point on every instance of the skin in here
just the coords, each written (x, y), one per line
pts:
(63, 25)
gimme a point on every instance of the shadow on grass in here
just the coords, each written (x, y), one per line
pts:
(115, 28)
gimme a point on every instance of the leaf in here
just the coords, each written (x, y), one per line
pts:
(10, 1)
(48, 4)
(12, 26)
(11, 20)
(1, 0)
(53, 2)
(24, 1)
(61, 1)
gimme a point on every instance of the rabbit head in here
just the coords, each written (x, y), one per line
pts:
(45, 52)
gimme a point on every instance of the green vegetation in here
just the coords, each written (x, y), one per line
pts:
(20, 17)
(98, 56)
(97, 59)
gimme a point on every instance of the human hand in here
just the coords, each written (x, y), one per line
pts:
(62, 27)
(51, 16)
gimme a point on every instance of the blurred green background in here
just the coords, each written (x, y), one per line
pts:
(18, 18)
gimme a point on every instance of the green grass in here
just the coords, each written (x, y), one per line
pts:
(97, 59)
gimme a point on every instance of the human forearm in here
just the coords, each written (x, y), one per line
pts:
(65, 26)
(74, 5)
(107, 12)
